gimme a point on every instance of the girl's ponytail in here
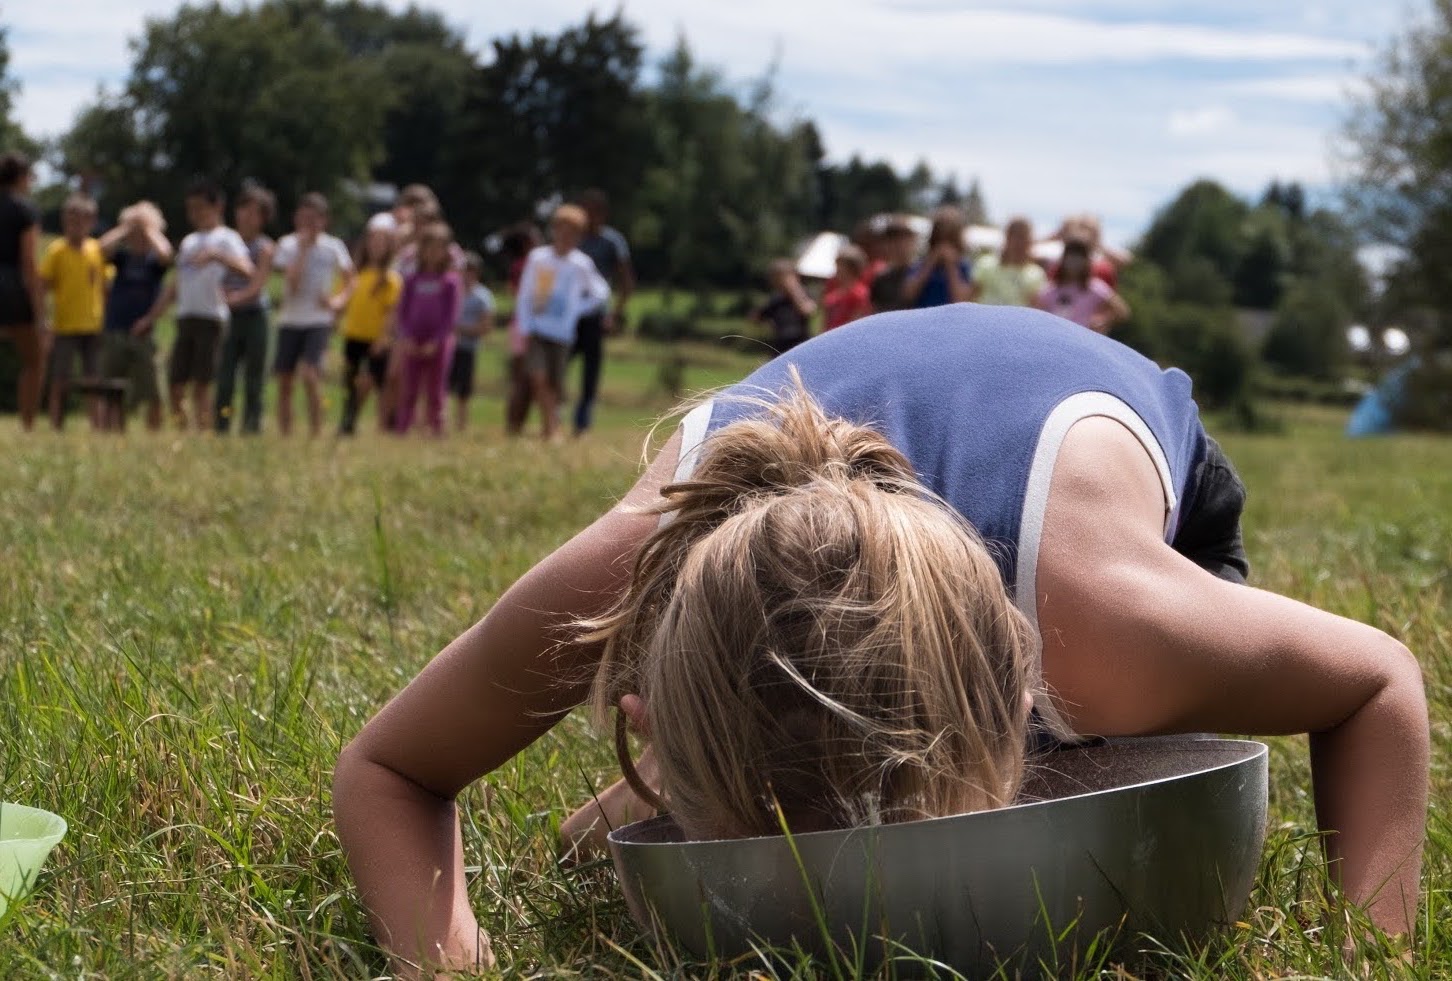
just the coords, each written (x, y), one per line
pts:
(812, 630)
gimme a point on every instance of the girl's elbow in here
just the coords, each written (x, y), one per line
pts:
(1403, 691)
(1406, 673)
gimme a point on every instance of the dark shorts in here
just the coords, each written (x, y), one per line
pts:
(461, 372)
(67, 349)
(15, 307)
(1209, 533)
(301, 345)
(547, 359)
(194, 355)
(358, 355)
(132, 360)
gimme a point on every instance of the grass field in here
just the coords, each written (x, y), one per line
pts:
(190, 628)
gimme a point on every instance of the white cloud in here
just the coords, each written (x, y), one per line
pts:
(883, 38)
(1206, 121)
(1330, 88)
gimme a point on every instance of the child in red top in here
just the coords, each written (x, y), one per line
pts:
(847, 297)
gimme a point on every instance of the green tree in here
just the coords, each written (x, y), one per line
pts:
(1308, 336)
(423, 72)
(268, 92)
(861, 188)
(12, 137)
(975, 208)
(1185, 320)
(1206, 222)
(1264, 263)
(549, 115)
(1400, 136)
(730, 184)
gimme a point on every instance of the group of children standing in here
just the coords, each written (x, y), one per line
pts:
(410, 307)
(884, 271)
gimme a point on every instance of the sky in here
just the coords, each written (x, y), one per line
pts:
(1055, 106)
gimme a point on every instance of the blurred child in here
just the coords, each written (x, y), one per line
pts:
(518, 244)
(22, 295)
(140, 255)
(899, 248)
(788, 308)
(73, 270)
(1077, 295)
(610, 252)
(427, 312)
(560, 284)
(1012, 278)
(416, 209)
(476, 317)
(246, 342)
(366, 329)
(847, 296)
(202, 263)
(1107, 260)
(944, 274)
(318, 279)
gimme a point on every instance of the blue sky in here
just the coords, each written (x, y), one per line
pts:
(1055, 105)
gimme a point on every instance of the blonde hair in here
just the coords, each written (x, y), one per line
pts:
(813, 631)
(571, 214)
(146, 214)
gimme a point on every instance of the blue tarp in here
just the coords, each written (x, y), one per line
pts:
(1375, 414)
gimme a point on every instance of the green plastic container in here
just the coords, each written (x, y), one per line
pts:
(27, 835)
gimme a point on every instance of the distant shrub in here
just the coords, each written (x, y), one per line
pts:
(662, 326)
(1308, 336)
(1426, 401)
(1205, 342)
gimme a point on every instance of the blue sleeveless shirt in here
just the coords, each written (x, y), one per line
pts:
(979, 399)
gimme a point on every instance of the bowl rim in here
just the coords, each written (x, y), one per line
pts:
(59, 825)
(1255, 750)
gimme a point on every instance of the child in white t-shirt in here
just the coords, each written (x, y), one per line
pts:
(205, 258)
(560, 284)
(318, 276)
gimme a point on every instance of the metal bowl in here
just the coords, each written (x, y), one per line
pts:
(1140, 837)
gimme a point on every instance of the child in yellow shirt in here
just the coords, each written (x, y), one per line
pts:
(367, 323)
(73, 270)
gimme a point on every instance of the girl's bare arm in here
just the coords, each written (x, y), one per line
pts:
(1139, 640)
(487, 696)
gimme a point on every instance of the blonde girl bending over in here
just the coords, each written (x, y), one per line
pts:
(858, 587)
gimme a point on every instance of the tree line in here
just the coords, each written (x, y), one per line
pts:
(710, 176)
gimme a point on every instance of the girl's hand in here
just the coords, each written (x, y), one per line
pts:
(428, 350)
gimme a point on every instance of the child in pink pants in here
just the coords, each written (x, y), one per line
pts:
(426, 314)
